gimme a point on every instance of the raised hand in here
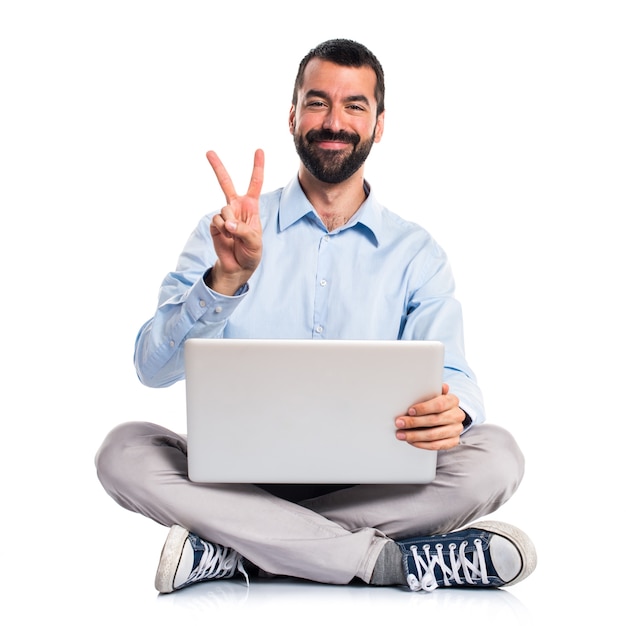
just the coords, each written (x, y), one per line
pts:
(236, 230)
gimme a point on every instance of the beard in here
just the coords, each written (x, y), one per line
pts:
(332, 166)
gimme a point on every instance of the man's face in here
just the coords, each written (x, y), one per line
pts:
(334, 123)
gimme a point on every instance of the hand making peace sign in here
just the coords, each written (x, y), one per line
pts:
(236, 230)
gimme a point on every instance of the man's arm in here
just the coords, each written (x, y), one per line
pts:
(209, 282)
(435, 314)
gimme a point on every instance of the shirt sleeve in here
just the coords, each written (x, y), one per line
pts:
(434, 314)
(186, 308)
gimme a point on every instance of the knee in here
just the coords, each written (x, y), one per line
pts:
(114, 455)
(498, 466)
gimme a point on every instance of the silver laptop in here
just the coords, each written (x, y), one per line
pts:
(306, 411)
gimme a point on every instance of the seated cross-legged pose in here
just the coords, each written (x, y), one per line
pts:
(322, 259)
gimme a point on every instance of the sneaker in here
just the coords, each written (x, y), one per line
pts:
(187, 559)
(487, 554)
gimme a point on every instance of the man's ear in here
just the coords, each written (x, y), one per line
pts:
(380, 126)
(292, 119)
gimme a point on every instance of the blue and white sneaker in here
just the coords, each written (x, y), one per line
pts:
(486, 554)
(187, 559)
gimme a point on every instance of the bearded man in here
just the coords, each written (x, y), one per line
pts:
(322, 259)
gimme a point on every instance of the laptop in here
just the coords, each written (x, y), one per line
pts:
(306, 411)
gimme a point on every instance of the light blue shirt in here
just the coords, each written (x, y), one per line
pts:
(377, 277)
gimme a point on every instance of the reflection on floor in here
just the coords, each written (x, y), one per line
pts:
(317, 603)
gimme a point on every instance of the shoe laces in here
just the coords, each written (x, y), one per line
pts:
(217, 562)
(455, 568)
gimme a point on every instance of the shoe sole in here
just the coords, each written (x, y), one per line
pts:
(170, 558)
(519, 539)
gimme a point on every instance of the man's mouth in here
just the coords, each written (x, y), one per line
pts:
(328, 140)
(332, 145)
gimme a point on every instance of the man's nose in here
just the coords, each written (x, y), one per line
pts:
(333, 120)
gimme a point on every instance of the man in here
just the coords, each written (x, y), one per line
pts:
(316, 260)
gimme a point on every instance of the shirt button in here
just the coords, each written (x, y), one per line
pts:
(323, 282)
(218, 309)
(202, 303)
(318, 329)
(326, 238)
(172, 344)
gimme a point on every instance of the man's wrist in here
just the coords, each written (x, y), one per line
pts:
(226, 285)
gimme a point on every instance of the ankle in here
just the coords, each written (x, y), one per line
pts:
(388, 569)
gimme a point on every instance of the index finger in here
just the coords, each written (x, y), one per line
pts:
(256, 180)
(223, 178)
(437, 404)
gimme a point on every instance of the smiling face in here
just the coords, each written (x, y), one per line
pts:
(334, 122)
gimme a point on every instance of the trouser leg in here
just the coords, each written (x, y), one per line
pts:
(144, 468)
(473, 479)
(331, 538)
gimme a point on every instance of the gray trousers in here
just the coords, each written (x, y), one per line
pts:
(329, 534)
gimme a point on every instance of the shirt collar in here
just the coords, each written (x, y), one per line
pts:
(294, 205)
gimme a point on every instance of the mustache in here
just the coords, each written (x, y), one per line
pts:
(328, 135)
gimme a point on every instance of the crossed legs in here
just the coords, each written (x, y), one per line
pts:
(329, 538)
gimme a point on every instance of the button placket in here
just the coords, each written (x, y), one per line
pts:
(322, 282)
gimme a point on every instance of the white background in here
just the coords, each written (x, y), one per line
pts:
(505, 137)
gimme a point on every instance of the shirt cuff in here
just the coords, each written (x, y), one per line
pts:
(211, 305)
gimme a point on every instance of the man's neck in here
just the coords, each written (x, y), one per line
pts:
(334, 203)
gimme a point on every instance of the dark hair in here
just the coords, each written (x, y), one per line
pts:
(349, 54)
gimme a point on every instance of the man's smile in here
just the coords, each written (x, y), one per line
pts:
(332, 145)
(329, 140)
